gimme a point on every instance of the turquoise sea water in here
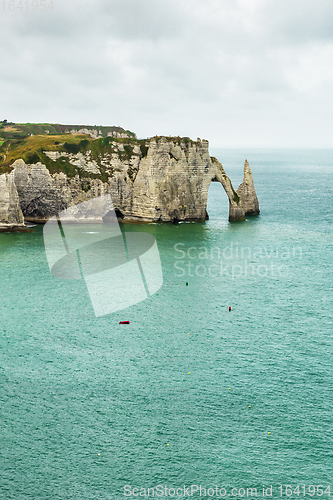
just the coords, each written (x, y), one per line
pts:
(89, 406)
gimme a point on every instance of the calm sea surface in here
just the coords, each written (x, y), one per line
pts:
(89, 406)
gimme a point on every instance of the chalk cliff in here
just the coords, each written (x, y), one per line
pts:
(166, 180)
(11, 217)
(247, 192)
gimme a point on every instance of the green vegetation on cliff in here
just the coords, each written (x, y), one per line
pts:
(63, 149)
(30, 142)
(9, 130)
(177, 140)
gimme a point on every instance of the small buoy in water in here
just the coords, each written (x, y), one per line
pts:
(249, 406)
(186, 283)
(229, 308)
(188, 334)
(269, 433)
(124, 322)
(168, 444)
(99, 454)
(188, 373)
(229, 388)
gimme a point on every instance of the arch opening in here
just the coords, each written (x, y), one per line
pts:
(217, 202)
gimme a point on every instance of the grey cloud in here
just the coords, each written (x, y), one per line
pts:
(149, 19)
(125, 19)
(161, 66)
(298, 21)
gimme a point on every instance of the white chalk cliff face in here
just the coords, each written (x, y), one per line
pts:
(169, 184)
(247, 193)
(11, 217)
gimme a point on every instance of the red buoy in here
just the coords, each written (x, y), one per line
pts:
(124, 322)
(229, 308)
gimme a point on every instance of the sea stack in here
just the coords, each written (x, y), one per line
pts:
(163, 179)
(247, 192)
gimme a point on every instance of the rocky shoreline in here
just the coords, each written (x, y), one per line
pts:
(169, 183)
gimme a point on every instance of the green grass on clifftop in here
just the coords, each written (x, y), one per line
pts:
(30, 142)
(32, 149)
(19, 130)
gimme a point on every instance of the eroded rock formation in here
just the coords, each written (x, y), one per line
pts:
(11, 217)
(247, 192)
(169, 183)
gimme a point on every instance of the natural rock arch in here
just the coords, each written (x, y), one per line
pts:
(173, 180)
(168, 184)
(242, 202)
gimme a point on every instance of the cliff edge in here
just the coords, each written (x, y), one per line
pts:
(162, 179)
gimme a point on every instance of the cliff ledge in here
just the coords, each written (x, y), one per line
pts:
(161, 179)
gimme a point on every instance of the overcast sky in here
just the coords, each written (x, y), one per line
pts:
(240, 73)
